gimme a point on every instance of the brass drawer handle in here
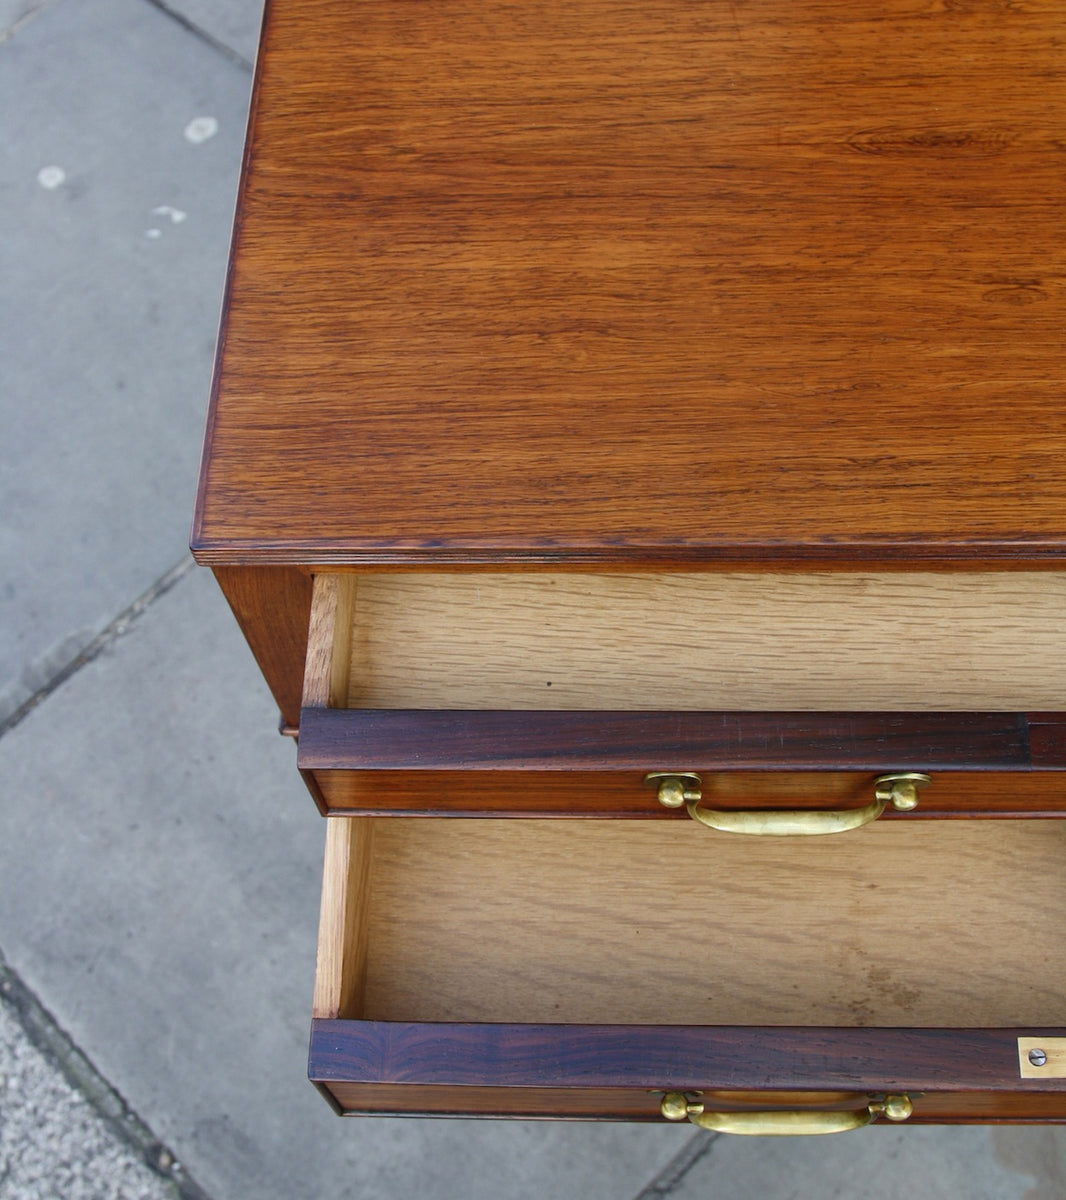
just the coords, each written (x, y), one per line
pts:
(677, 789)
(678, 1107)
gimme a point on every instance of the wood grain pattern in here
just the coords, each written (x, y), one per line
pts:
(641, 922)
(682, 1057)
(638, 742)
(611, 794)
(723, 641)
(340, 969)
(326, 671)
(273, 608)
(630, 284)
(618, 1104)
(1047, 740)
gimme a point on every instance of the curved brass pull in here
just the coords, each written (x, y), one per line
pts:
(675, 789)
(678, 1107)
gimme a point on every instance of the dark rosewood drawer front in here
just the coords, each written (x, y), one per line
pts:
(623, 1073)
(463, 763)
(589, 969)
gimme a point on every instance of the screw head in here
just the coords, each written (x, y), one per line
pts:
(905, 796)
(1038, 1058)
(672, 793)
(898, 1108)
(674, 1106)
(901, 791)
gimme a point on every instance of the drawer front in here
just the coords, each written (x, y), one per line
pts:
(624, 1074)
(582, 969)
(611, 764)
(427, 694)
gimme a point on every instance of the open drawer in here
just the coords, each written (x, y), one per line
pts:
(540, 694)
(595, 969)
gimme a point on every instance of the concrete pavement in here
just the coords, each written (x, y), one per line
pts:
(160, 858)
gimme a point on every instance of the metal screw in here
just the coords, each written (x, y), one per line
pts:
(1038, 1057)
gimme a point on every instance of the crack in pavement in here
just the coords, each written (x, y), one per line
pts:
(191, 27)
(696, 1148)
(103, 639)
(7, 34)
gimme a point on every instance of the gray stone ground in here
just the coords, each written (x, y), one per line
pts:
(63, 1130)
(52, 1142)
(159, 861)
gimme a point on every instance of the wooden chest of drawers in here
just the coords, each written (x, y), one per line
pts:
(629, 413)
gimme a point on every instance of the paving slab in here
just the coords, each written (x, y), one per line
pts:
(884, 1163)
(160, 892)
(116, 228)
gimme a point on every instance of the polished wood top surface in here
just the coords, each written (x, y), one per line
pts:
(778, 281)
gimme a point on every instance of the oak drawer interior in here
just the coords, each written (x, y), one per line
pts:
(693, 641)
(953, 924)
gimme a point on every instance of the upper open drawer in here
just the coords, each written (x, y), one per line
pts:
(560, 694)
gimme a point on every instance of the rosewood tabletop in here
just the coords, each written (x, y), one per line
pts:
(608, 283)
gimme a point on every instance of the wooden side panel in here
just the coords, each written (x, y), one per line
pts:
(340, 971)
(273, 608)
(328, 641)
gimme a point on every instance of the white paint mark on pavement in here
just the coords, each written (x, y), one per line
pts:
(153, 233)
(199, 129)
(175, 214)
(51, 177)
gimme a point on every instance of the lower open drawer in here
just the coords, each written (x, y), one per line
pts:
(539, 968)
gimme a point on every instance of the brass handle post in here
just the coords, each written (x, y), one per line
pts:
(676, 1106)
(684, 788)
